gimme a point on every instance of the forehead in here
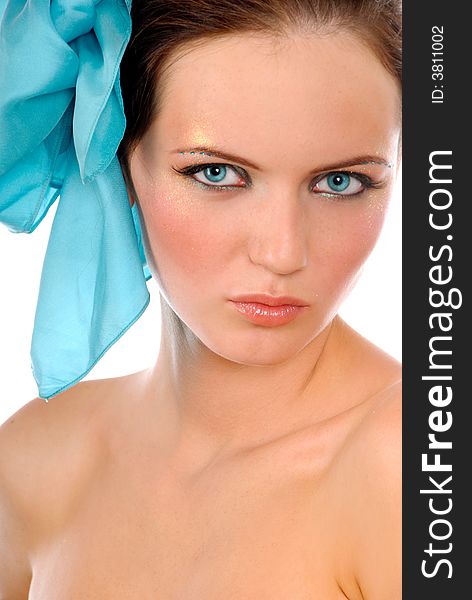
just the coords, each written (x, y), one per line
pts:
(301, 94)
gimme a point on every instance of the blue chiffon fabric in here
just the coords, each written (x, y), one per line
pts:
(61, 121)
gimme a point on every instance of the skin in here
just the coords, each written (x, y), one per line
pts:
(248, 461)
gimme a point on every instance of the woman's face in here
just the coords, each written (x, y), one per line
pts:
(303, 135)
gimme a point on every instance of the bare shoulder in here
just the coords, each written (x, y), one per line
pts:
(376, 442)
(46, 447)
(42, 437)
(374, 460)
(48, 450)
(382, 420)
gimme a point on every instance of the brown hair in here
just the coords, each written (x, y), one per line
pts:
(161, 29)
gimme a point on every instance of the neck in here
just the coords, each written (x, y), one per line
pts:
(206, 400)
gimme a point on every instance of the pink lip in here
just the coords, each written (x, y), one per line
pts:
(270, 311)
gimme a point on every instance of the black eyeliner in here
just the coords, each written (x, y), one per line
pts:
(196, 168)
(367, 181)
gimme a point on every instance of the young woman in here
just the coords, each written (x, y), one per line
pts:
(260, 456)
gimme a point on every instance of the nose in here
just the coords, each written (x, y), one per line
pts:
(278, 239)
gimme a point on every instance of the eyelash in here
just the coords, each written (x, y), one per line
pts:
(192, 169)
(365, 180)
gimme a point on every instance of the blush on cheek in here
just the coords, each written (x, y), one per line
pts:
(181, 242)
(361, 241)
(344, 247)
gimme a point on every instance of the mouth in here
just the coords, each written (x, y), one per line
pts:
(269, 311)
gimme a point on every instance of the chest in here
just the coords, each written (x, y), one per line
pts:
(250, 533)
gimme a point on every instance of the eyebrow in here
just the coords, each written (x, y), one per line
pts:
(357, 160)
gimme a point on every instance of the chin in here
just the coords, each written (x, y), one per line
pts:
(270, 348)
(253, 345)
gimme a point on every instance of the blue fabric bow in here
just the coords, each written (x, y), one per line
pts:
(61, 121)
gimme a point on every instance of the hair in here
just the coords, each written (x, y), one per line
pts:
(162, 29)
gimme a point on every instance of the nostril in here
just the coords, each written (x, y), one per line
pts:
(282, 260)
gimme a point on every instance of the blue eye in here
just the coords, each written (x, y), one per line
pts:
(215, 173)
(340, 183)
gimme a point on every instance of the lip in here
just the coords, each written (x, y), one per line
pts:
(269, 311)
(270, 300)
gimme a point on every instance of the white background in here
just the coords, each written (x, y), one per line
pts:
(373, 308)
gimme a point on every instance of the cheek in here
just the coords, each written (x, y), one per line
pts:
(185, 243)
(345, 237)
